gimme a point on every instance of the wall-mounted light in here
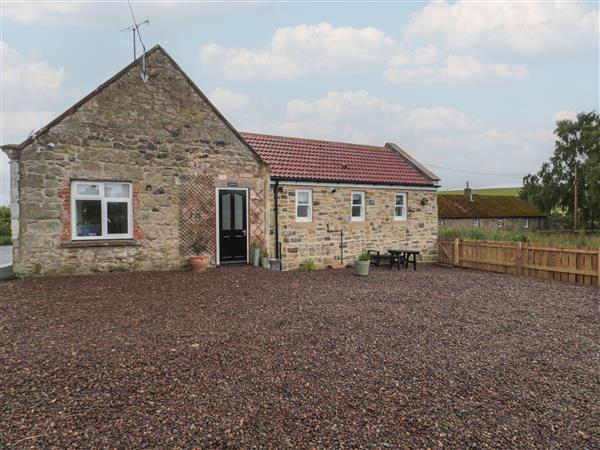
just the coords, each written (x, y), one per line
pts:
(333, 191)
(424, 201)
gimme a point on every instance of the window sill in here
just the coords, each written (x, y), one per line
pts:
(102, 243)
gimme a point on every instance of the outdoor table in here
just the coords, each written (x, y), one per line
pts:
(403, 257)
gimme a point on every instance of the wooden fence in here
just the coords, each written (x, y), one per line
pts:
(570, 265)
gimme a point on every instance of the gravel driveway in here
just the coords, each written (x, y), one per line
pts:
(243, 357)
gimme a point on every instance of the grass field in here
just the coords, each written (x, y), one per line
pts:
(513, 191)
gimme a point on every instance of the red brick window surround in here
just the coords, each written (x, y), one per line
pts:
(95, 210)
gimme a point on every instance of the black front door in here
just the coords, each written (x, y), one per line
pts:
(233, 229)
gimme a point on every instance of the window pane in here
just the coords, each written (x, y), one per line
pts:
(116, 215)
(239, 211)
(400, 200)
(87, 189)
(303, 211)
(120, 190)
(399, 211)
(356, 211)
(226, 212)
(303, 197)
(356, 199)
(88, 217)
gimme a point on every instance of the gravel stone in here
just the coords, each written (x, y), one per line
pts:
(242, 357)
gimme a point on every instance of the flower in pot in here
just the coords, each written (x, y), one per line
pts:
(361, 266)
(255, 248)
(264, 258)
(199, 261)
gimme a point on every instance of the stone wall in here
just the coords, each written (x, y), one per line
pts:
(163, 138)
(535, 223)
(379, 231)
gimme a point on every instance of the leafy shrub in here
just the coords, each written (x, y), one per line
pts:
(542, 237)
(5, 225)
(309, 264)
(364, 257)
(199, 247)
(264, 252)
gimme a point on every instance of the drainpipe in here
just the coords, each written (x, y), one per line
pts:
(276, 200)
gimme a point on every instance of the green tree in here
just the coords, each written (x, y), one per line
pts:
(4, 225)
(552, 189)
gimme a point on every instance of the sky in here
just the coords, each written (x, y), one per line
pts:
(470, 89)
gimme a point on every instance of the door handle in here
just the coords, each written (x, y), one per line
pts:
(244, 232)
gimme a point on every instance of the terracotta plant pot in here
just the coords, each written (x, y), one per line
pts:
(199, 263)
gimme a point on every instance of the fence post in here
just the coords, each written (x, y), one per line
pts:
(519, 259)
(456, 251)
(598, 274)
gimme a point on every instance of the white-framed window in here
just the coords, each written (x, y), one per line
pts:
(303, 205)
(475, 223)
(526, 223)
(101, 210)
(400, 206)
(500, 223)
(358, 206)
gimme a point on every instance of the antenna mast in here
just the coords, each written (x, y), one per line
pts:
(133, 29)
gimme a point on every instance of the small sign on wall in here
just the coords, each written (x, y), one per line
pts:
(232, 184)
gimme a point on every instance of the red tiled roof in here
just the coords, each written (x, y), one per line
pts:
(307, 159)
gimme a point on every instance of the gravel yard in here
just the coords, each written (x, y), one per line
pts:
(244, 357)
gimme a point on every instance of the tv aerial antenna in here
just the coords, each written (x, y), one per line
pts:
(135, 29)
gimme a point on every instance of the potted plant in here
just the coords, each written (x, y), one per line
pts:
(255, 254)
(361, 266)
(264, 258)
(199, 261)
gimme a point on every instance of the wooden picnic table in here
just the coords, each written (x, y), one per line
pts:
(403, 257)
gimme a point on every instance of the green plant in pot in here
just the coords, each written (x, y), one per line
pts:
(255, 249)
(361, 266)
(199, 260)
(264, 258)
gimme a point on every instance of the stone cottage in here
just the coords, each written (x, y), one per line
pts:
(491, 212)
(144, 171)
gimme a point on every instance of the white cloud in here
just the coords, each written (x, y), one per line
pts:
(98, 13)
(29, 13)
(522, 26)
(423, 66)
(427, 119)
(361, 117)
(496, 157)
(296, 50)
(227, 100)
(27, 82)
(344, 106)
(440, 135)
(29, 90)
(565, 115)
